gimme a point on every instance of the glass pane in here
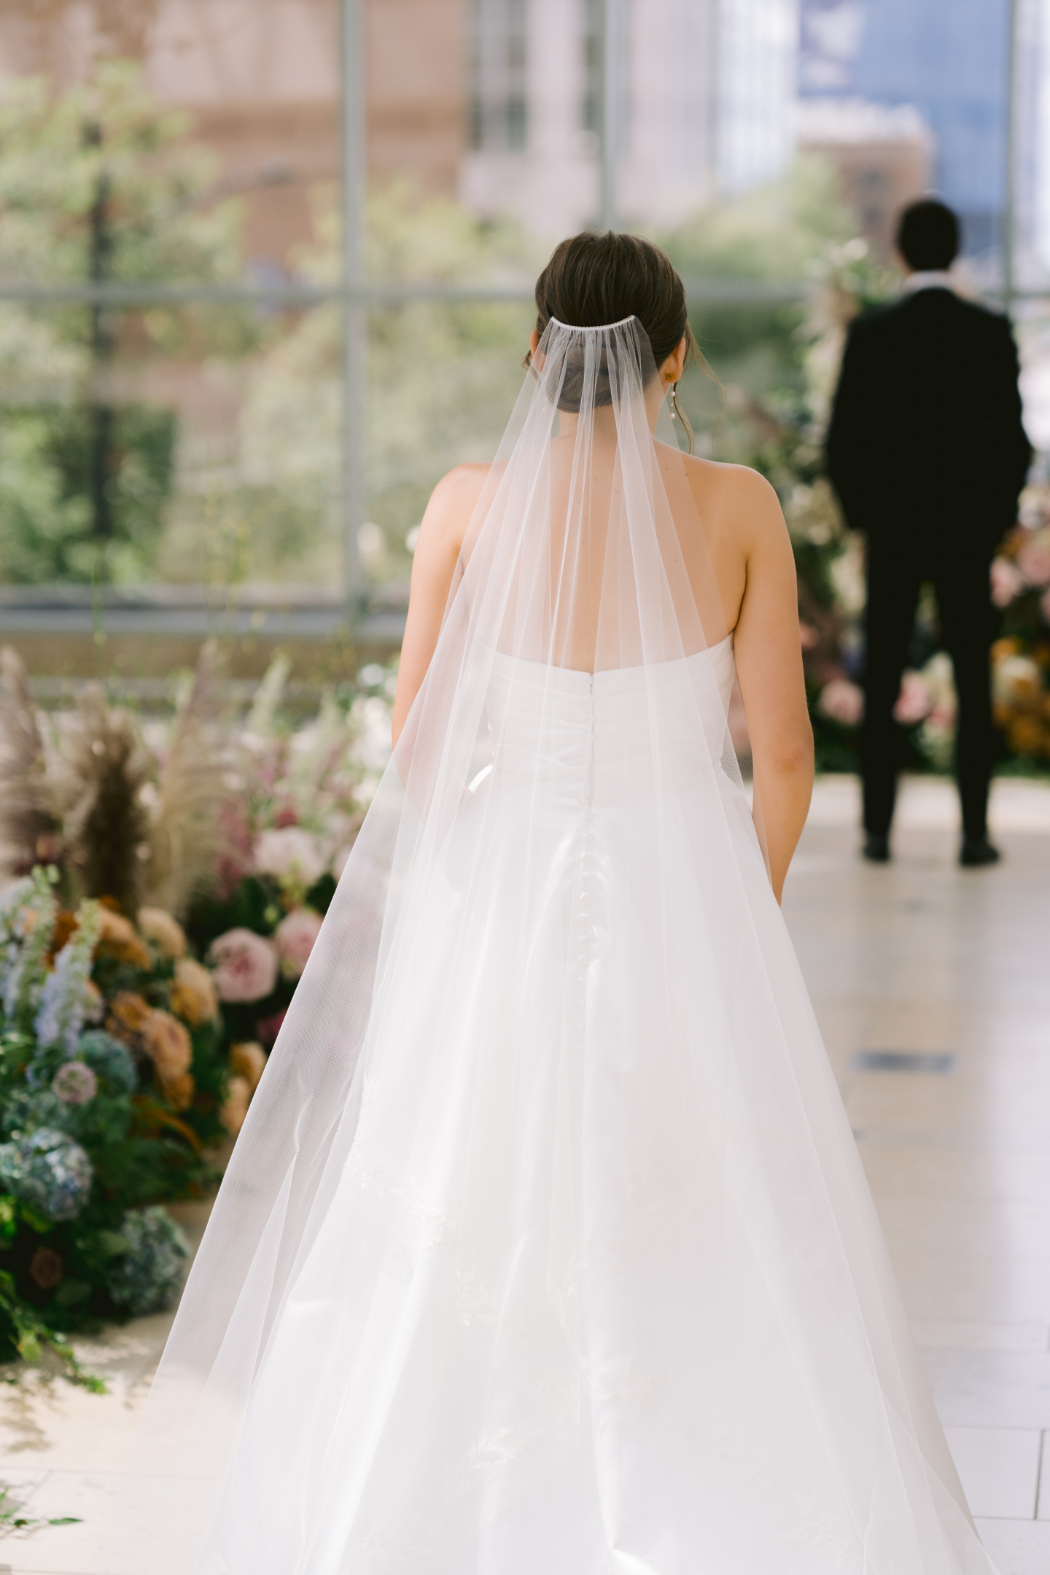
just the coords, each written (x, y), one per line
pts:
(139, 144)
(442, 383)
(198, 444)
(907, 97)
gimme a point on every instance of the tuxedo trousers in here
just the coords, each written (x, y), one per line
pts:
(959, 573)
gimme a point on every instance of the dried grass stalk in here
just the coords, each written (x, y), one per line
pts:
(192, 791)
(28, 823)
(102, 768)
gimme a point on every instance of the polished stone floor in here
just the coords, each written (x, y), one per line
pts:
(921, 958)
(914, 959)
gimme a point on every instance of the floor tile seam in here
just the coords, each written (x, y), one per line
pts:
(1039, 1472)
(990, 1427)
(1014, 1520)
(28, 1488)
(91, 1471)
(883, 1137)
(988, 1350)
(1011, 1261)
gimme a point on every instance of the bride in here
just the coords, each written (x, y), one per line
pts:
(546, 1249)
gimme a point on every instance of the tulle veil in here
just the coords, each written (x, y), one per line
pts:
(585, 575)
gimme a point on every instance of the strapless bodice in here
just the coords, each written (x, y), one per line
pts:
(600, 737)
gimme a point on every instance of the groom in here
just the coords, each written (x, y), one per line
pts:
(927, 453)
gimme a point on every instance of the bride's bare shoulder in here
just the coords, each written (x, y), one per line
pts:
(462, 486)
(734, 499)
(725, 484)
(452, 504)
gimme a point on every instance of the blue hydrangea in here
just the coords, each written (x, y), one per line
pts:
(48, 1170)
(26, 1109)
(146, 1278)
(108, 1059)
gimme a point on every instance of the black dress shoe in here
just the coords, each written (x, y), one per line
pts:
(976, 851)
(877, 847)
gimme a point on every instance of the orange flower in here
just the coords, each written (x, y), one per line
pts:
(249, 1062)
(66, 925)
(168, 1045)
(178, 1091)
(235, 1105)
(192, 995)
(118, 939)
(127, 1017)
(1025, 735)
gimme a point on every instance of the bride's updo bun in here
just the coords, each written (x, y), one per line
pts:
(593, 280)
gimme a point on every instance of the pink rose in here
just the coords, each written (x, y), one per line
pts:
(1007, 581)
(289, 854)
(1033, 560)
(294, 938)
(914, 702)
(842, 701)
(245, 966)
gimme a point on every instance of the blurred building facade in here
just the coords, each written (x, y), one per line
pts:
(496, 101)
(703, 103)
(946, 60)
(884, 158)
(261, 80)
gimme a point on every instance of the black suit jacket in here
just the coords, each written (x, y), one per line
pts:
(926, 446)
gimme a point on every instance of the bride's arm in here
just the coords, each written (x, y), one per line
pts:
(441, 537)
(769, 667)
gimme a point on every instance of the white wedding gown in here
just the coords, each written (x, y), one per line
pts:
(577, 1272)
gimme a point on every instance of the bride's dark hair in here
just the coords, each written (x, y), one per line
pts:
(592, 280)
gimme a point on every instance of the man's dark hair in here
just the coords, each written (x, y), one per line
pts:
(928, 235)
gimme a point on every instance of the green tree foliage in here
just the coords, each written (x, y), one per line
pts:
(441, 382)
(98, 183)
(776, 234)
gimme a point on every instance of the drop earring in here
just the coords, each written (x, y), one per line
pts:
(678, 414)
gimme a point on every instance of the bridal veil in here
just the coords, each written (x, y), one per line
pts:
(545, 1248)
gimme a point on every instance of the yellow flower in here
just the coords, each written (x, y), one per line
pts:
(192, 995)
(248, 1061)
(166, 933)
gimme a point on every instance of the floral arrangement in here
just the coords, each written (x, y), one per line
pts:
(302, 794)
(120, 815)
(243, 830)
(1021, 658)
(112, 1085)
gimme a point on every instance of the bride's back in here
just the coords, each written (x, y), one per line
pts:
(594, 577)
(592, 542)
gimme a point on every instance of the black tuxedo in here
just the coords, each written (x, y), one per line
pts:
(927, 453)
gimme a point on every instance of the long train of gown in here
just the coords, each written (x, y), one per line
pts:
(600, 1287)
